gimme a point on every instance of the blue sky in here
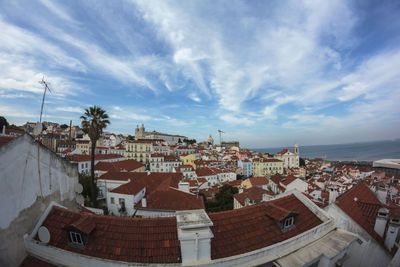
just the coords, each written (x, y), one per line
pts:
(268, 73)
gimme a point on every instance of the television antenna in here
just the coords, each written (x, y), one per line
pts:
(46, 86)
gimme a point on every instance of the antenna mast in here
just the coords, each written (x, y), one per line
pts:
(46, 87)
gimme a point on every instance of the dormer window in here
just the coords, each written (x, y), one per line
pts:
(288, 222)
(75, 238)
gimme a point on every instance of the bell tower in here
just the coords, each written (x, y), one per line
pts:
(296, 149)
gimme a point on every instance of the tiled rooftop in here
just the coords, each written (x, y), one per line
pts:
(247, 229)
(139, 240)
(123, 165)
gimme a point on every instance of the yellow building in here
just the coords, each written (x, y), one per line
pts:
(188, 159)
(264, 166)
(84, 146)
(139, 150)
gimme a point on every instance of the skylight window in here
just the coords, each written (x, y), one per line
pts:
(289, 222)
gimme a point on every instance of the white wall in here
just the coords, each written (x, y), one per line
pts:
(370, 253)
(24, 196)
(298, 184)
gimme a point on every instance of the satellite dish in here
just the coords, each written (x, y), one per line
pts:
(78, 188)
(38, 129)
(44, 234)
(80, 200)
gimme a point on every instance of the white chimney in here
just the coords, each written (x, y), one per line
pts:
(332, 195)
(4, 129)
(195, 235)
(144, 202)
(392, 231)
(184, 186)
(380, 222)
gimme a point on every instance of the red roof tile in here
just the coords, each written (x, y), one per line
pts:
(361, 204)
(122, 165)
(80, 158)
(173, 199)
(257, 181)
(122, 176)
(288, 179)
(250, 228)
(149, 240)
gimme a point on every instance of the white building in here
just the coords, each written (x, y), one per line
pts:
(84, 161)
(162, 163)
(290, 159)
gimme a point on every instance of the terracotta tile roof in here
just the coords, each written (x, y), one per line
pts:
(254, 193)
(148, 240)
(205, 171)
(283, 151)
(152, 182)
(30, 261)
(276, 178)
(173, 199)
(122, 176)
(257, 181)
(5, 139)
(361, 204)
(80, 158)
(288, 179)
(250, 228)
(122, 165)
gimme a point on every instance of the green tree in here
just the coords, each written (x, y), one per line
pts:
(64, 126)
(85, 181)
(3, 122)
(302, 162)
(224, 197)
(94, 120)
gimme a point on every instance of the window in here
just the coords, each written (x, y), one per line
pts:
(112, 200)
(121, 201)
(75, 238)
(289, 222)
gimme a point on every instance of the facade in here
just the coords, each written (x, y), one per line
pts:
(290, 159)
(267, 166)
(161, 163)
(246, 166)
(140, 133)
(139, 150)
(83, 146)
(84, 161)
(289, 230)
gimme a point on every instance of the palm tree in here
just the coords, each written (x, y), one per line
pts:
(94, 121)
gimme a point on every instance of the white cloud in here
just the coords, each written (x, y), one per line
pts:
(195, 97)
(71, 109)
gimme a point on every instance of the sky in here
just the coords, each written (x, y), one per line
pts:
(267, 73)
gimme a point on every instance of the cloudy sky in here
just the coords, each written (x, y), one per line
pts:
(268, 73)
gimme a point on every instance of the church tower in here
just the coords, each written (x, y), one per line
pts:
(296, 149)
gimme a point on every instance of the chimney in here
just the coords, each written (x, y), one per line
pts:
(380, 221)
(392, 231)
(332, 195)
(4, 130)
(184, 186)
(144, 202)
(195, 235)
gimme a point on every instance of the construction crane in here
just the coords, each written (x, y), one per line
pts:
(220, 138)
